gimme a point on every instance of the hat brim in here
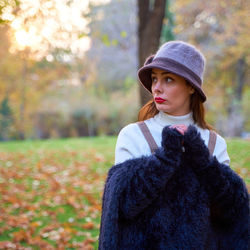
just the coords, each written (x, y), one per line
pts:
(144, 74)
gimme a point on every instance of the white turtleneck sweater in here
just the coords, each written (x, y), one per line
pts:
(131, 143)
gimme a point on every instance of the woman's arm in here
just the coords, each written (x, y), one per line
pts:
(129, 144)
(227, 191)
(137, 182)
(220, 150)
(125, 148)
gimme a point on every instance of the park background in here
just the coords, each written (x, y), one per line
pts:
(68, 84)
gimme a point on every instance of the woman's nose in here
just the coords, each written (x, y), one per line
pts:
(157, 87)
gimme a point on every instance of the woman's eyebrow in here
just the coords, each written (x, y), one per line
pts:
(163, 73)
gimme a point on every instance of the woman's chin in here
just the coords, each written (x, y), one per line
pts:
(162, 107)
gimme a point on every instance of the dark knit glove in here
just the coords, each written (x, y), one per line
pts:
(171, 145)
(196, 152)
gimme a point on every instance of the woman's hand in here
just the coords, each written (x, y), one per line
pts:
(172, 141)
(171, 146)
(195, 149)
(181, 128)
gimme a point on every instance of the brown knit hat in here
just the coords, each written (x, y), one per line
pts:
(177, 57)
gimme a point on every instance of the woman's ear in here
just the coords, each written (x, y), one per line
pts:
(192, 90)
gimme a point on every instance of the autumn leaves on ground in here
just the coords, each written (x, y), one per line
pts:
(50, 191)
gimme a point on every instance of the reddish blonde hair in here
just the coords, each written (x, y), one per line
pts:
(149, 110)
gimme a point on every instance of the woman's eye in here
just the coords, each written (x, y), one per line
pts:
(154, 79)
(168, 79)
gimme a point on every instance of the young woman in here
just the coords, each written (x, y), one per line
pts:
(171, 186)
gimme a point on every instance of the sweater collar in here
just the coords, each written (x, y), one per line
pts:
(164, 119)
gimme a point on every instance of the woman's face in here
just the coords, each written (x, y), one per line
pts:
(171, 92)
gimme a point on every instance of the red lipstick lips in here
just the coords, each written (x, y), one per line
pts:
(159, 100)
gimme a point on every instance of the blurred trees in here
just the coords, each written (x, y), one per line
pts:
(59, 93)
(8, 9)
(54, 89)
(6, 119)
(234, 60)
(167, 33)
(111, 59)
(23, 83)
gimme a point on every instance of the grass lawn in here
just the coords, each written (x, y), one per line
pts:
(50, 191)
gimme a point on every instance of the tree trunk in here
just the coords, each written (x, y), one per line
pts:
(151, 14)
(235, 117)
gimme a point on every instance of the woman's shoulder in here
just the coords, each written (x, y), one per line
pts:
(133, 130)
(220, 150)
(220, 147)
(129, 129)
(130, 135)
(206, 133)
(220, 140)
(129, 143)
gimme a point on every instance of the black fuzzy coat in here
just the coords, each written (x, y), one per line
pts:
(175, 200)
